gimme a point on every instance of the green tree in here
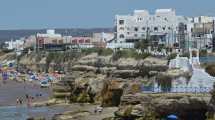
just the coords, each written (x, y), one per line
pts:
(142, 45)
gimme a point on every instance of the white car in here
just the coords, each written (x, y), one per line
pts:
(44, 84)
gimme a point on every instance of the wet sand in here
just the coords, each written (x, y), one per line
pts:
(11, 90)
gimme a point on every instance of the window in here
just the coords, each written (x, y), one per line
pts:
(136, 29)
(135, 35)
(139, 19)
(87, 41)
(121, 22)
(143, 28)
(81, 41)
(148, 28)
(166, 19)
(155, 28)
(164, 28)
(121, 36)
(75, 41)
(121, 28)
(185, 27)
(54, 41)
(169, 28)
(60, 41)
(128, 33)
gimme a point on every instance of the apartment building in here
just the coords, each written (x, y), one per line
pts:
(162, 27)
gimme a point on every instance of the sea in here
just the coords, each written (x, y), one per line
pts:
(22, 112)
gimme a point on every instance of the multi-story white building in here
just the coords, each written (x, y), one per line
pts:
(162, 26)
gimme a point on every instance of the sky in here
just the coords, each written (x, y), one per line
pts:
(39, 14)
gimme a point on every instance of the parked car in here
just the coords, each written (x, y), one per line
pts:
(44, 84)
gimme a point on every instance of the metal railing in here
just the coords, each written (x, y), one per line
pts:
(150, 89)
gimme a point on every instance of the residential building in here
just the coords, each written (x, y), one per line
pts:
(160, 27)
(202, 32)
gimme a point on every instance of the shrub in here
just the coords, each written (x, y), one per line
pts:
(165, 82)
(203, 53)
(186, 54)
(210, 69)
(172, 56)
(100, 51)
(142, 44)
(105, 52)
(129, 53)
(83, 98)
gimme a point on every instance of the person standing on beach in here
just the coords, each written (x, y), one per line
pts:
(17, 101)
(20, 101)
(26, 96)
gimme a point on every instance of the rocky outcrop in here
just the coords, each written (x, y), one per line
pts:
(71, 115)
(154, 106)
(112, 92)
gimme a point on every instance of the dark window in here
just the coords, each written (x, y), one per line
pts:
(143, 28)
(87, 40)
(121, 22)
(155, 28)
(136, 29)
(121, 36)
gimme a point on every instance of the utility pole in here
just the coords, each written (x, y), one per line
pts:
(213, 37)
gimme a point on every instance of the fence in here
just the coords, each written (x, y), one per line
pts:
(150, 89)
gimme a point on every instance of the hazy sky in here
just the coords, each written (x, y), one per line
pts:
(31, 14)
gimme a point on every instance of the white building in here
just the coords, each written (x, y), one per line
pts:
(50, 33)
(162, 26)
(203, 19)
(103, 37)
(17, 44)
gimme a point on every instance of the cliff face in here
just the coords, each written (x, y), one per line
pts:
(98, 78)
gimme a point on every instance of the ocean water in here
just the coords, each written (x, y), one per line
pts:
(20, 112)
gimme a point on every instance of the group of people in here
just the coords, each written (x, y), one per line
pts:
(28, 99)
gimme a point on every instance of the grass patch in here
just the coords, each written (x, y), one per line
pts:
(100, 51)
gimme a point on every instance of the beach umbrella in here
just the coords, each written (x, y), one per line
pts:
(172, 117)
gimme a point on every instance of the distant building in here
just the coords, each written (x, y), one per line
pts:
(100, 40)
(15, 45)
(30, 42)
(202, 32)
(82, 42)
(50, 40)
(161, 27)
